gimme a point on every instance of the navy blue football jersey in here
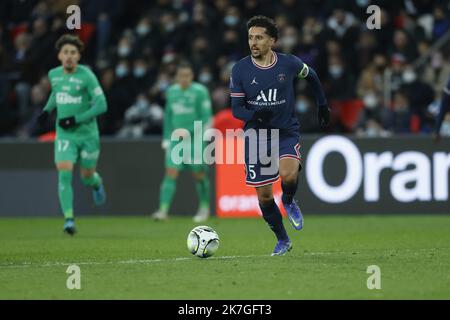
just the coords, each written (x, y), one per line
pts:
(253, 87)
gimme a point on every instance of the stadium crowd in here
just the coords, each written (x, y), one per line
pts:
(374, 79)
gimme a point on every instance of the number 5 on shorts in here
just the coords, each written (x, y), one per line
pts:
(251, 170)
(62, 145)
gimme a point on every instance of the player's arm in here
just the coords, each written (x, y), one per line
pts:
(49, 107)
(98, 105)
(237, 94)
(444, 108)
(97, 98)
(310, 75)
(51, 103)
(167, 123)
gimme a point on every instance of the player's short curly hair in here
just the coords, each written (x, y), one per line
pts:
(184, 64)
(69, 39)
(264, 22)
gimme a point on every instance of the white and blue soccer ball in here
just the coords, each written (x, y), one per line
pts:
(203, 241)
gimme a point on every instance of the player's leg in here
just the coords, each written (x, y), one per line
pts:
(89, 154)
(65, 194)
(259, 177)
(168, 185)
(167, 191)
(202, 186)
(272, 215)
(91, 178)
(65, 154)
(289, 171)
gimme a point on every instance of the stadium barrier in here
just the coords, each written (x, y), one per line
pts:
(341, 175)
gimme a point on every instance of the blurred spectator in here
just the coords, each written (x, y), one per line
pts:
(403, 45)
(441, 21)
(398, 120)
(445, 128)
(142, 77)
(39, 94)
(420, 95)
(372, 128)
(340, 84)
(342, 27)
(289, 40)
(307, 114)
(140, 118)
(372, 80)
(436, 72)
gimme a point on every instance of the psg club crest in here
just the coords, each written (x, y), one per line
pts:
(281, 77)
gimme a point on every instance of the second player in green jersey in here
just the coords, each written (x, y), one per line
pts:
(78, 99)
(186, 102)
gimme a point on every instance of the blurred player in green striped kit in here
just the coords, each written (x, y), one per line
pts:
(186, 102)
(78, 99)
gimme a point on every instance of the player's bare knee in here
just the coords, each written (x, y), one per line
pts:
(87, 173)
(65, 166)
(172, 173)
(265, 198)
(289, 176)
(198, 175)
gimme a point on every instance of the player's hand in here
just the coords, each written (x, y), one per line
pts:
(165, 144)
(436, 136)
(67, 123)
(43, 117)
(324, 115)
(263, 115)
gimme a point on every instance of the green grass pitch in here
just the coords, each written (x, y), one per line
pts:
(137, 258)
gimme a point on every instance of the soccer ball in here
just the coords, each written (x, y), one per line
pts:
(203, 241)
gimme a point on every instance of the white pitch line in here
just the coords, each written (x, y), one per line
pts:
(149, 261)
(131, 261)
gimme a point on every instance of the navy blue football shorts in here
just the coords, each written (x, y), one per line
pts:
(263, 152)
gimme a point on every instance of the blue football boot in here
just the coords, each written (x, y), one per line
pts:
(294, 215)
(99, 195)
(69, 227)
(282, 247)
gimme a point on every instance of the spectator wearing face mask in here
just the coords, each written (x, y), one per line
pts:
(436, 72)
(205, 76)
(289, 41)
(420, 95)
(124, 47)
(372, 128)
(142, 78)
(343, 27)
(306, 114)
(147, 38)
(118, 98)
(123, 87)
(339, 84)
(398, 119)
(141, 118)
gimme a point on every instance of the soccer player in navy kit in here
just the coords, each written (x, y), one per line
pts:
(262, 95)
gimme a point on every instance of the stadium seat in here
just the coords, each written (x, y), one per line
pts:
(86, 32)
(349, 112)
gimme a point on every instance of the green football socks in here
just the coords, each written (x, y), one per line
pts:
(94, 181)
(202, 187)
(166, 193)
(65, 193)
